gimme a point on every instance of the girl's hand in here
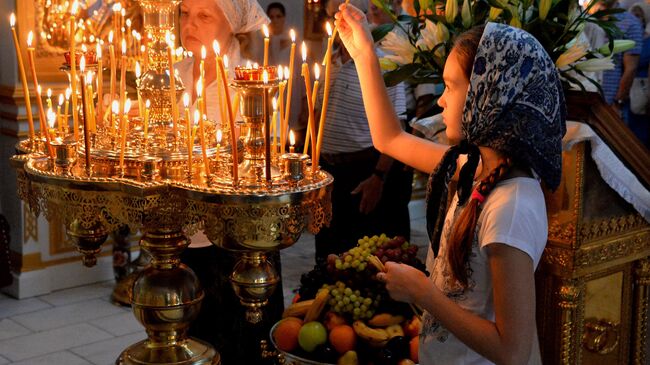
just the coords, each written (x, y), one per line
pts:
(404, 283)
(354, 31)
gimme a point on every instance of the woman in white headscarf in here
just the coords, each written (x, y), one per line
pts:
(201, 23)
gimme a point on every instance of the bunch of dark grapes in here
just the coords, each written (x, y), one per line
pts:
(313, 280)
(398, 250)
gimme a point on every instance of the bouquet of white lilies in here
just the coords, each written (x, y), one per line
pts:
(416, 45)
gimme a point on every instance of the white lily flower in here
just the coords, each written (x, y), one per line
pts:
(399, 48)
(596, 64)
(431, 36)
(575, 52)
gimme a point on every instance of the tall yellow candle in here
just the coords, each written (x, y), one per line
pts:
(172, 81)
(32, 67)
(310, 106)
(85, 82)
(314, 99)
(265, 29)
(326, 92)
(113, 72)
(73, 69)
(231, 123)
(59, 119)
(204, 151)
(202, 79)
(23, 76)
(219, 138)
(49, 98)
(100, 85)
(287, 109)
(115, 109)
(220, 101)
(281, 87)
(68, 93)
(274, 127)
(123, 65)
(138, 72)
(190, 140)
(124, 120)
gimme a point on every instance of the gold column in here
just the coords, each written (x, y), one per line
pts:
(568, 301)
(641, 302)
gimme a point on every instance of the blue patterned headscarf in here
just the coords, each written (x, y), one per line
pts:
(515, 105)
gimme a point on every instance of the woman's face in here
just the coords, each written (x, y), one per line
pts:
(453, 98)
(277, 21)
(202, 21)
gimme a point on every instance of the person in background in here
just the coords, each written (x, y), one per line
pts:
(640, 123)
(279, 41)
(507, 116)
(371, 191)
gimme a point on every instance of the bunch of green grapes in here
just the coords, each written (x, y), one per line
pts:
(344, 300)
(357, 257)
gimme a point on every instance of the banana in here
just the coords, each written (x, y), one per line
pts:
(385, 320)
(395, 330)
(298, 309)
(317, 306)
(374, 336)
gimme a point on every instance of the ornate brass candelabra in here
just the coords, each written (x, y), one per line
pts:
(272, 202)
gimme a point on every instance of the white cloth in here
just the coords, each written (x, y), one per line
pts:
(513, 214)
(243, 15)
(611, 169)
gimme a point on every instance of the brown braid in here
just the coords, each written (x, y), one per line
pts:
(462, 235)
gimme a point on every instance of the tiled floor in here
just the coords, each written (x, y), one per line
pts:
(80, 326)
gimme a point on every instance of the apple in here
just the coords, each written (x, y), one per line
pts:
(311, 335)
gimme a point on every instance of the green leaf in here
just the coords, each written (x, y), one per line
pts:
(400, 74)
(380, 31)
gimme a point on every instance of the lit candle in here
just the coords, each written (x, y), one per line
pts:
(274, 128)
(310, 106)
(199, 96)
(202, 78)
(111, 51)
(219, 137)
(204, 151)
(115, 109)
(172, 81)
(37, 87)
(51, 122)
(326, 92)
(23, 76)
(123, 128)
(123, 65)
(195, 127)
(231, 122)
(222, 105)
(49, 98)
(267, 127)
(287, 109)
(73, 70)
(189, 135)
(333, 35)
(281, 104)
(86, 120)
(147, 110)
(265, 29)
(292, 142)
(68, 93)
(100, 84)
(58, 114)
(138, 72)
(314, 99)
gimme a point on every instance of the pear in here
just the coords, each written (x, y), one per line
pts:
(349, 358)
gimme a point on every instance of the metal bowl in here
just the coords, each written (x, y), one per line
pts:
(291, 359)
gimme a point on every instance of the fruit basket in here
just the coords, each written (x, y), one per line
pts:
(343, 315)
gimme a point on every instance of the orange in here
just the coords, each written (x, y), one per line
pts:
(343, 338)
(414, 346)
(286, 333)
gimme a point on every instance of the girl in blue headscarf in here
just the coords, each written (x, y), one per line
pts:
(505, 115)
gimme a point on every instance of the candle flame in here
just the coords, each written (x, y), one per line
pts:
(49, 92)
(280, 73)
(199, 89)
(68, 93)
(30, 38)
(128, 23)
(89, 78)
(51, 117)
(82, 64)
(328, 27)
(168, 39)
(248, 64)
(12, 20)
(216, 47)
(197, 116)
(265, 77)
(316, 71)
(147, 104)
(61, 99)
(138, 71)
(117, 7)
(84, 49)
(219, 136)
(127, 106)
(225, 61)
(179, 51)
(123, 47)
(110, 37)
(292, 138)
(303, 49)
(98, 51)
(292, 34)
(38, 90)
(186, 100)
(115, 107)
(75, 7)
(123, 12)
(265, 30)
(256, 65)
(143, 48)
(204, 53)
(286, 73)
(274, 101)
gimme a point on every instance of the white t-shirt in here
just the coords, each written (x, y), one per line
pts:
(513, 214)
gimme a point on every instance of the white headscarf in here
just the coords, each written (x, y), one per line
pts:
(243, 15)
